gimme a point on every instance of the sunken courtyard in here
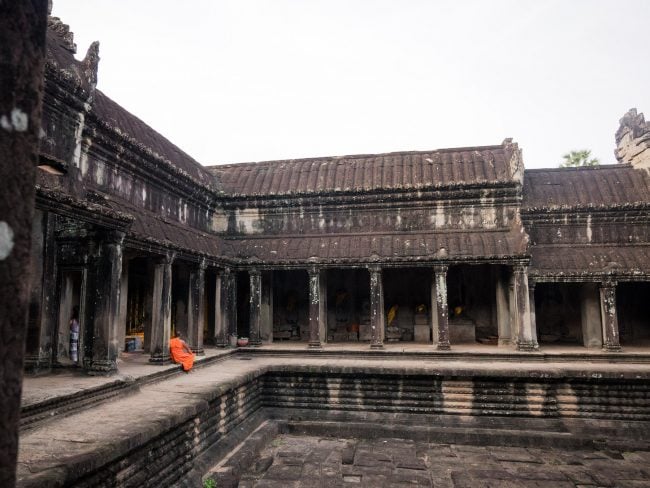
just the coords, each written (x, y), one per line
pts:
(441, 318)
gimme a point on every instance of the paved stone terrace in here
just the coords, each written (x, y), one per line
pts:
(297, 461)
(135, 366)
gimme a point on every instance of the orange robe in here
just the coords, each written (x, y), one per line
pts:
(180, 354)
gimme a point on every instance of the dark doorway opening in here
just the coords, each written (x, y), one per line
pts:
(558, 313)
(138, 304)
(471, 294)
(407, 298)
(290, 305)
(209, 312)
(242, 281)
(71, 305)
(633, 307)
(348, 305)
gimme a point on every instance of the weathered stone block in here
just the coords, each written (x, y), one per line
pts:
(462, 333)
(422, 333)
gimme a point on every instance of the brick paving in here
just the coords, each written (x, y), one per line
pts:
(302, 461)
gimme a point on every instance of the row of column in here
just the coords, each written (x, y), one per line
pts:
(106, 278)
(226, 307)
(517, 318)
(317, 307)
(107, 290)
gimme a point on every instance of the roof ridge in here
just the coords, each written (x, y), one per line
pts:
(580, 168)
(357, 156)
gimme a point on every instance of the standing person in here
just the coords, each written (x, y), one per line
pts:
(74, 335)
(181, 352)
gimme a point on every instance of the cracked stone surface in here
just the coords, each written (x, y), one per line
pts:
(304, 461)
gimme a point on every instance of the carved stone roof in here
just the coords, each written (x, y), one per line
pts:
(60, 56)
(596, 186)
(365, 248)
(83, 74)
(471, 166)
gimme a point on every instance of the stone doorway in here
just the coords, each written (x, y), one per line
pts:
(471, 297)
(71, 302)
(407, 298)
(348, 305)
(138, 306)
(633, 306)
(290, 305)
(558, 313)
(242, 282)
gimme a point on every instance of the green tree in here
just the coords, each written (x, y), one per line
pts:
(574, 159)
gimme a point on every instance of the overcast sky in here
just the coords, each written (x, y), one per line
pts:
(250, 80)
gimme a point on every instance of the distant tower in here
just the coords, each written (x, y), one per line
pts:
(633, 140)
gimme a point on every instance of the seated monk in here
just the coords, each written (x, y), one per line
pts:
(181, 352)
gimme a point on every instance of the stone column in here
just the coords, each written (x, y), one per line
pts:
(533, 317)
(102, 349)
(196, 308)
(148, 304)
(124, 299)
(512, 309)
(316, 307)
(439, 296)
(255, 316)
(503, 311)
(228, 303)
(376, 308)
(526, 339)
(161, 313)
(232, 309)
(609, 318)
(266, 330)
(40, 349)
(220, 299)
(592, 331)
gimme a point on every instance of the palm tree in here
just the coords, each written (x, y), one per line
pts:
(575, 159)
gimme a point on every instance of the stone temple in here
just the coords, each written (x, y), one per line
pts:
(143, 239)
(443, 251)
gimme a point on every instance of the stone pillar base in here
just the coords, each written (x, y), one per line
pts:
(527, 346)
(160, 359)
(100, 367)
(443, 346)
(376, 346)
(314, 345)
(612, 348)
(37, 364)
(198, 351)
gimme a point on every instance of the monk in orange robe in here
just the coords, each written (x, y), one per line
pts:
(181, 353)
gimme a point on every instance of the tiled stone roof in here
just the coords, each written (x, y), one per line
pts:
(115, 117)
(150, 227)
(392, 171)
(616, 184)
(421, 246)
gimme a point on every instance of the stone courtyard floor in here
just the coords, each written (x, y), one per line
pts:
(302, 461)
